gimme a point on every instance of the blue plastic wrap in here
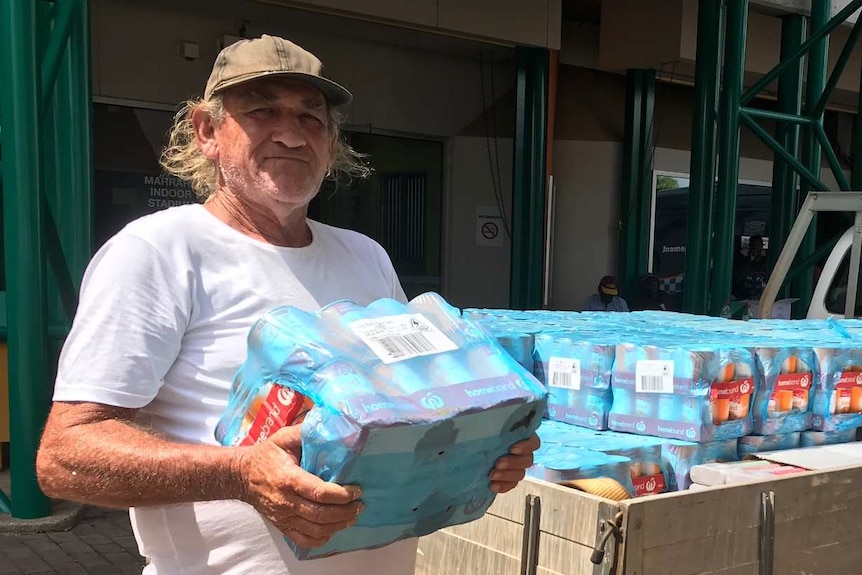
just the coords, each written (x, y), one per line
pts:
(412, 403)
(757, 443)
(782, 403)
(687, 391)
(815, 438)
(647, 471)
(681, 456)
(556, 463)
(576, 369)
(837, 402)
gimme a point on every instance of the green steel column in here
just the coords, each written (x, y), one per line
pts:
(646, 158)
(856, 183)
(71, 199)
(632, 151)
(528, 179)
(53, 20)
(803, 287)
(636, 204)
(635, 201)
(25, 277)
(80, 202)
(785, 197)
(710, 24)
(728, 159)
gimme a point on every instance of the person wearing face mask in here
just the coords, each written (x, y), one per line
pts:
(165, 310)
(750, 271)
(606, 298)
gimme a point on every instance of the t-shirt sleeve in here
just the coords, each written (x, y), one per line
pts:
(128, 328)
(397, 290)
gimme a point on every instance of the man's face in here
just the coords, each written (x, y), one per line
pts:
(274, 145)
(755, 247)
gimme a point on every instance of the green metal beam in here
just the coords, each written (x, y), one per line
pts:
(779, 116)
(728, 159)
(807, 175)
(785, 198)
(65, 11)
(817, 35)
(635, 206)
(710, 25)
(840, 64)
(528, 179)
(25, 276)
(803, 287)
(831, 157)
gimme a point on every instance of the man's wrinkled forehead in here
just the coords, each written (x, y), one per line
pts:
(271, 90)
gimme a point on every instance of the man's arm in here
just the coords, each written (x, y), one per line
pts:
(93, 453)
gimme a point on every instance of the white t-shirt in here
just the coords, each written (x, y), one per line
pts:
(165, 309)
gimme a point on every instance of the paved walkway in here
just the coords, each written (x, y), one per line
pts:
(101, 543)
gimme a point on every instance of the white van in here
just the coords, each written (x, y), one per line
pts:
(830, 293)
(833, 290)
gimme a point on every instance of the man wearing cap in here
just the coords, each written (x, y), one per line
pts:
(651, 296)
(165, 309)
(607, 298)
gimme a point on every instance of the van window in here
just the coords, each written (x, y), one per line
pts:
(836, 296)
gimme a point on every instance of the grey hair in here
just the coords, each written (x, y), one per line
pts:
(183, 158)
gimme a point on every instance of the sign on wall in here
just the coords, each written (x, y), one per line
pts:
(489, 226)
(121, 197)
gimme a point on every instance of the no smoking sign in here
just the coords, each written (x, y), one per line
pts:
(489, 226)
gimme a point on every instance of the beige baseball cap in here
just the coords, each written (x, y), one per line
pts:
(248, 60)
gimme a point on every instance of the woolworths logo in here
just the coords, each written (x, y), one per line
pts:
(431, 401)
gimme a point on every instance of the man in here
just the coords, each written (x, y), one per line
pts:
(651, 296)
(165, 309)
(750, 271)
(607, 297)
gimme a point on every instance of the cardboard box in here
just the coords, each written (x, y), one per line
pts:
(816, 458)
(780, 309)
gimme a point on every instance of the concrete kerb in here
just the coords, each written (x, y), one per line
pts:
(64, 516)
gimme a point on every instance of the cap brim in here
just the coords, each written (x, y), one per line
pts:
(335, 94)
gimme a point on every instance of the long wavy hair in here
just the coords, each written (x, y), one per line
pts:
(182, 157)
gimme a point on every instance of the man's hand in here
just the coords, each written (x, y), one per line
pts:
(510, 469)
(302, 506)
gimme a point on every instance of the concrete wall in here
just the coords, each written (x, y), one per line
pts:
(535, 23)
(396, 87)
(588, 177)
(763, 45)
(417, 84)
(476, 275)
(636, 34)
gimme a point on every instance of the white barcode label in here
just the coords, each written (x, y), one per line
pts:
(564, 372)
(399, 337)
(654, 376)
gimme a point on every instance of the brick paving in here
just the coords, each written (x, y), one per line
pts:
(101, 543)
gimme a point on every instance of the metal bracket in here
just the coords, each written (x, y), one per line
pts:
(767, 533)
(608, 528)
(530, 550)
